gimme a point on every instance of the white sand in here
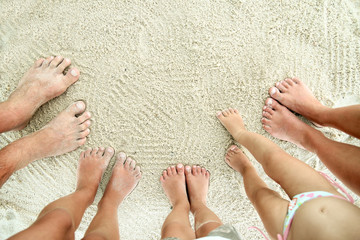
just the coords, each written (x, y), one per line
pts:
(153, 75)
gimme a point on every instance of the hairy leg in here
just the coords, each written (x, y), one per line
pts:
(125, 177)
(272, 208)
(343, 159)
(177, 223)
(197, 181)
(295, 95)
(41, 83)
(63, 134)
(293, 175)
(61, 218)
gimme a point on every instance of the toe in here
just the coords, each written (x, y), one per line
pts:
(76, 108)
(94, 151)
(100, 152)
(285, 84)
(81, 141)
(121, 158)
(231, 110)
(296, 81)
(109, 152)
(84, 117)
(47, 61)
(88, 152)
(281, 86)
(203, 171)
(180, 168)
(38, 62)
(269, 102)
(267, 128)
(187, 170)
(84, 133)
(193, 170)
(265, 121)
(132, 165)
(84, 125)
(165, 174)
(137, 171)
(56, 61)
(236, 111)
(267, 115)
(226, 113)
(71, 76)
(269, 110)
(127, 163)
(64, 64)
(289, 81)
(198, 169)
(275, 93)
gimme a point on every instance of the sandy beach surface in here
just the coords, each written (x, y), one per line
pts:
(153, 75)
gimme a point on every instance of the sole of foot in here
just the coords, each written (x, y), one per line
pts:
(197, 182)
(64, 133)
(174, 185)
(295, 95)
(125, 177)
(44, 81)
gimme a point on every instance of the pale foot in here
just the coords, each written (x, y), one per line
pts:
(232, 121)
(281, 123)
(91, 167)
(44, 81)
(295, 95)
(173, 182)
(125, 177)
(64, 133)
(237, 160)
(197, 181)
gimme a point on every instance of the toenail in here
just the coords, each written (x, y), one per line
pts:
(273, 91)
(188, 168)
(269, 102)
(80, 105)
(73, 72)
(110, 150)
(264, 107)
(218, 113)
(122, 155)
(233, 148)
(179, 165)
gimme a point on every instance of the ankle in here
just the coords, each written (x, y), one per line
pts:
(87, 194)
(182, 204)
(197, 205)
(310, 138)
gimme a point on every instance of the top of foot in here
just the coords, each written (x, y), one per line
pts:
(92, 165)
(197, 182)
(236, 159)
(295, 95)
(64, 133)
(125, 177)
(281, 123)
(232, 121)
(173, 182)
(44, 81)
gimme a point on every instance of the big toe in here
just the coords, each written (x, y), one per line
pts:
(180, 168)
(109, 152)
(71, 76)
(275, 93)
(272, 103)
(77, 108)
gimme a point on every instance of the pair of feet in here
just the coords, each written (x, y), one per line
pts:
(92, 165)
(187, 186)
(290, 94)
(44, 81)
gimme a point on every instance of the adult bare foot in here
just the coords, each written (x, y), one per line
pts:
(92, 165)
(237, 160)
(232, 121)
(125, 176)
(64, 133)
(173, 182)
(281, 123)
(295, 95)
(197, 182)
(44, 81)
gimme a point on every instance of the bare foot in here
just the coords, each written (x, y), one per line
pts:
(197, 182)
(237, 160)
(281, 123)
(45, 80)
(295, 95)
(125, 176)
(232, 121)
(64, 133)
(173, 182)
(92, 165)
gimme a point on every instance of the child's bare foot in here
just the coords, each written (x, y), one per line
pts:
(295, 95)
(173, 182)
(237, 160)
(64, 133)
(232, 121)
(44, 81)
(197, 182)
(281, 123)
(125, 177)
(92, 165)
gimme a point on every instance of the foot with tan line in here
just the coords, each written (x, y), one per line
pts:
(295, 95)
(281, 123)
(44, 81)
